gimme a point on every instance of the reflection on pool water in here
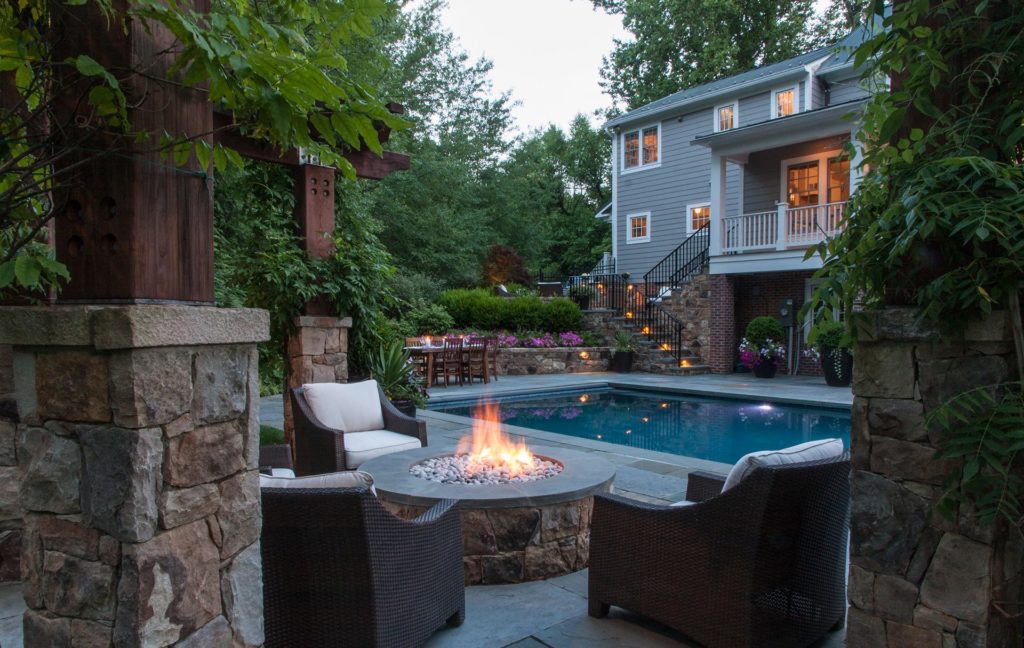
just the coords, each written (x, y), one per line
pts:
(692, 426)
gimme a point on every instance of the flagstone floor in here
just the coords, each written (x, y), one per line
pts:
(553, 613)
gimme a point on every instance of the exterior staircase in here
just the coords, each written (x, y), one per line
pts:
(662, 333)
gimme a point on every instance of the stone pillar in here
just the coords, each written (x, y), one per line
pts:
(916, 578)
(722, 356)
(317, 352)
(10, 477)
(138, 442)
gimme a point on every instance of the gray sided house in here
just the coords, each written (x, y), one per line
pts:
(756, 166)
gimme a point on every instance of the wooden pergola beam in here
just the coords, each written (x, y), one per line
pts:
(368, 165)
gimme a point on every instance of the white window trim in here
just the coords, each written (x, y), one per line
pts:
(796, 99)
(735, 115)
(641, 166)
(629, 228)
(822, 159)
(689, 214)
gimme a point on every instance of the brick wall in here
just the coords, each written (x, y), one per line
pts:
(722, 354)
(761, 294)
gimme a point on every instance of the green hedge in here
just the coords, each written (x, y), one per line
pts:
(481, 309)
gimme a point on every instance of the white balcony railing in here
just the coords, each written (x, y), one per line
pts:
(782, 228)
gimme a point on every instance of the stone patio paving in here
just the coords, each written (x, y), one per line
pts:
(553, 613)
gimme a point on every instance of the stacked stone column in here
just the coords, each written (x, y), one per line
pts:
(918, 579)
(317, 353)
(138, 446)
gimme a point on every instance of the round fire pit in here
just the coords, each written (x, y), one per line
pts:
(512, 532)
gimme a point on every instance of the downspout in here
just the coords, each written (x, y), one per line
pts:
(615, 198)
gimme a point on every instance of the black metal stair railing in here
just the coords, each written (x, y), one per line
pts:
(677, 268)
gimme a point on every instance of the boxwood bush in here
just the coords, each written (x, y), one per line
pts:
(764, 328)
(480, 309)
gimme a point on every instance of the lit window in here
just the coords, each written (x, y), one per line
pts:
(639, 230)
(631, 149)
(651, 145)
(725, 118)
(838, 179)
(700, 215)
(640, 147)
(802, 184)
(784, 102)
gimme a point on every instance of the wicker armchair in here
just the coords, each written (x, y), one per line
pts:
(339, 570)
(322, 449)
(762, 564)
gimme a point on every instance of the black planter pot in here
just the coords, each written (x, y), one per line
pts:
(406, 407)
(766, 369)
(622, 361)
(837, 365)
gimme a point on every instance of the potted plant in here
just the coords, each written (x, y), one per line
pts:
(397, 375)
(623, 350)
(581, 294)
(831, 348)
(761, 350)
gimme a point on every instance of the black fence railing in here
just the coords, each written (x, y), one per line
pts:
(662, 328)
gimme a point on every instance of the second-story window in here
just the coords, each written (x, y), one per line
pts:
(784, 102)
(725, 117)
(641, 147)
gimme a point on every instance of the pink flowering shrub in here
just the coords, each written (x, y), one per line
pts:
(570, 339)
(751, 355)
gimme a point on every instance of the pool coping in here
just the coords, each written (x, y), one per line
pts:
(604, 448)
(619, 383)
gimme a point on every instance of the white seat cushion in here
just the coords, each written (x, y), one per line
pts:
(345, 479)
(354, 407)
(363, 446)
(810, 451)
(282, 472)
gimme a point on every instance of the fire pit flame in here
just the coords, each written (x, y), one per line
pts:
(488, 448)
(487, 456)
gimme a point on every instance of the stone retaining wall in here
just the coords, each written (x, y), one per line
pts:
(917, 579)
(558, 360)
(317, 353)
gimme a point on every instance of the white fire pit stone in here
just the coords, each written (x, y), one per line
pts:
(514, 531)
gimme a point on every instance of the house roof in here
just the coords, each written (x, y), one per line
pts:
(729, 84)
(604, 212)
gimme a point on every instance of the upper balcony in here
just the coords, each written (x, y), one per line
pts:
(783, 228)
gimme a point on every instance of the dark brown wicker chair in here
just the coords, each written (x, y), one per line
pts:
(762, 564)
(320, 449)
(492, 357)
(275, 456)
(339, 570)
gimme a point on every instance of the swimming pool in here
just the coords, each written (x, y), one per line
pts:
(716, 429)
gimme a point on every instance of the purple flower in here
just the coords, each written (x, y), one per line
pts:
(570, 339)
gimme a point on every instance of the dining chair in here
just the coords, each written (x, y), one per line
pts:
(475, 360)
(449, 362)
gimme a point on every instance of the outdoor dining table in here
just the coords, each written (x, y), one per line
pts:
(428, 351)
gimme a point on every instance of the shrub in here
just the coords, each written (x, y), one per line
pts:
(831, 334)
(410, 287)
(480, 309)
(427, 319)
(762, 329)
(560, 315)
(504, 265)
(270, 435)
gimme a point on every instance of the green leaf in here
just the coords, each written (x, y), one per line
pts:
(27, 269)
(7, 273)
(88, 66)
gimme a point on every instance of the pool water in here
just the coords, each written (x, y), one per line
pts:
(693, 426)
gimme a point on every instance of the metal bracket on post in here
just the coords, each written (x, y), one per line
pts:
(307, 158)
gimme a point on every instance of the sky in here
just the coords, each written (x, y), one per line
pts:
(546, 52)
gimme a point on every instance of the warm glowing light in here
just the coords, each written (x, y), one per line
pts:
(645, 419)
(645, 330)
(664, 406)
(584, 355)
(629, 287)
(684, 363)
(426, 340)
(629, 314)
(489, 446)
(600, 286)
(665, 347)
(584, 398)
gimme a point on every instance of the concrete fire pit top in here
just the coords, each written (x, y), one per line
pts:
(583, 474)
